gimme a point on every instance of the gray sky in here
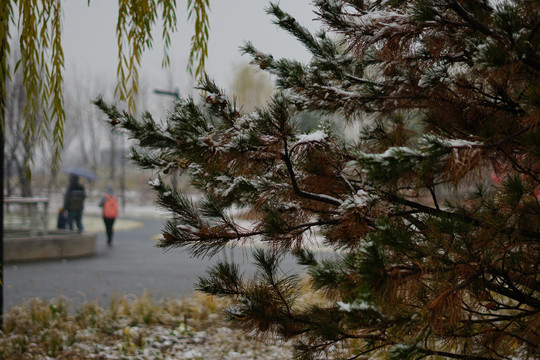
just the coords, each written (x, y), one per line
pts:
(91, 53)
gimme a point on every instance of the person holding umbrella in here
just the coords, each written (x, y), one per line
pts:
(80, 172)
(74, 202)
(75, 195)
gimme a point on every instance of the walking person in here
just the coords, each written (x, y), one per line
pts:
(74, 203)
(110, 212)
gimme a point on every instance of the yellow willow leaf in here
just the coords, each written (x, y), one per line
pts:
(42, 59)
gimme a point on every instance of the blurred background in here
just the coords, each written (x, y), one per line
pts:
(90, 49)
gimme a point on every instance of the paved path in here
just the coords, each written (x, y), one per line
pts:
(132, 266)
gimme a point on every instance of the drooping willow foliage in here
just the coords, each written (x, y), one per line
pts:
(38, 26)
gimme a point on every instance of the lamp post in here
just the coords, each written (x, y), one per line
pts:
(123, 173)
(3, 56)
(176, 95)
(2, 129)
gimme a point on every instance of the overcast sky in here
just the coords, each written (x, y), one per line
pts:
(90, 41)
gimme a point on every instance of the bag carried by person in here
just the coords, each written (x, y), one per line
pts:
(110, 207)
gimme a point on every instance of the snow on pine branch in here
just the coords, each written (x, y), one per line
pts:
(357, 305)
(318, 136)
(341, 92)
(450, 159)
(424, 145)
(450, 143)
(360, 199)
(394, 152)
(380, 19)
(387, 18)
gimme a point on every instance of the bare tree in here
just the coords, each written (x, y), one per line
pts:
(18, 152)
(251, 87)
(92, 133)
(84, 132)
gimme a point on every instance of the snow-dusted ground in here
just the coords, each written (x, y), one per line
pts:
(180, 329)
(162, 342)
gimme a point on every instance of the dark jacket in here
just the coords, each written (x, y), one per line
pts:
(74, 196)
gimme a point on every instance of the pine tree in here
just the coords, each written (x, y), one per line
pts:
(432, 209)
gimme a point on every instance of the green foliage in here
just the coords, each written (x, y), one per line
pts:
(225, 280)
(433, 205)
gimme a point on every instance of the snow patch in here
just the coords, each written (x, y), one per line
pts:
(452, 143)
(223, 178)
(316, 136)
(461, 143)
(357, 305)
(192, 354)
(188, 228)
(358, 200)
(361, 198)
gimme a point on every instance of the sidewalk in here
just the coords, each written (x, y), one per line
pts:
(94, 224)
(93, 221)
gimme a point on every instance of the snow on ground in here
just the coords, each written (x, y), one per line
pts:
(180, 329)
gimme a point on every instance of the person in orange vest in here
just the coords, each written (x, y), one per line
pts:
(110, 212)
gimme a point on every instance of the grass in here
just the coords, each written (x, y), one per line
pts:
(129, 328)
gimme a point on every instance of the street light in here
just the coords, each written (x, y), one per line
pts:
(2, 175)
(176, 95)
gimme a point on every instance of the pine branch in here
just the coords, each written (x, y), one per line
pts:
(511, 287)
(469, 18)
(448, 292)
(514, 294)
(494, 318)
(269, 265)
(531, 58)
(223, 280)
(434, 197)
(532, 344)
(289, 23)
(521, 168)
(455, 216)
(507, 104)
(364, 352)
(351, 187)
(444, 89)
(219, 104)
(454, 355)
(317, 197)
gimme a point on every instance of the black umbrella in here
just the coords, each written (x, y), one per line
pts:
(80, 171)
